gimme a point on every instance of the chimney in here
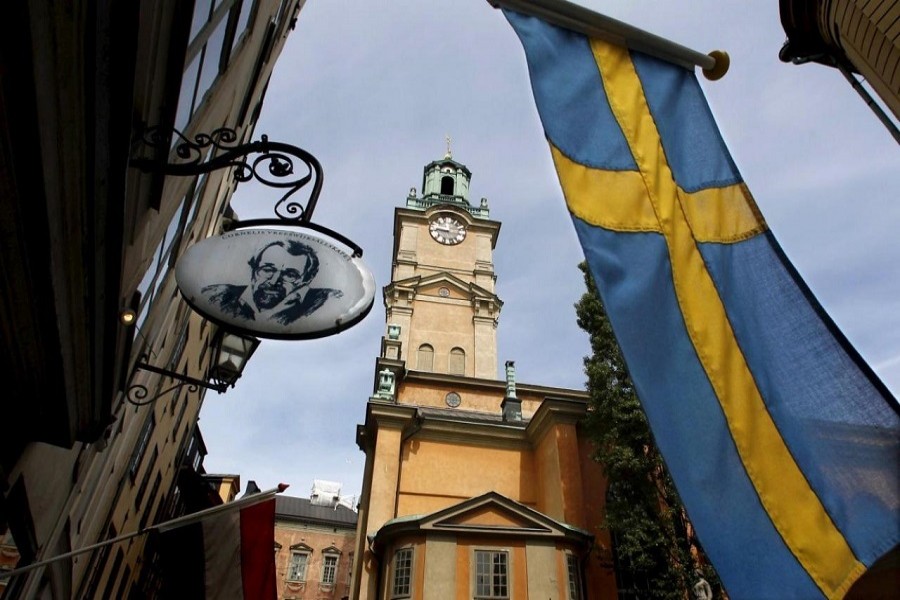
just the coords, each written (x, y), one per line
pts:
(511, 406)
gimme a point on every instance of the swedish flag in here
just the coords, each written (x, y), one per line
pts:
(783, 444)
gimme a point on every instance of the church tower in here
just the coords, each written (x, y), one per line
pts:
(474, 485)
(440, 305)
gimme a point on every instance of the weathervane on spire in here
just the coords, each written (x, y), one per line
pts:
(449, 153)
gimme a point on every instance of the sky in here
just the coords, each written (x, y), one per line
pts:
(373, 88)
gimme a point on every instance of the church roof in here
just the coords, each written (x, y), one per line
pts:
(302, 509)
(470, 416)
(449, 161)
(511, 519)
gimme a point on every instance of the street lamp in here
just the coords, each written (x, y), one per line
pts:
(230, 353)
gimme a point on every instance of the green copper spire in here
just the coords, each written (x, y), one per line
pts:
(446, 181)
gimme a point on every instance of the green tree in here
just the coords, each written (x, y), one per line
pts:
(651, 539)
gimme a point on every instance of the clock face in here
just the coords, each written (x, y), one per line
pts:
(447, 230)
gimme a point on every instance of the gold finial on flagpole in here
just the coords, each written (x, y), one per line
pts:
(449, 153)
(717, 71)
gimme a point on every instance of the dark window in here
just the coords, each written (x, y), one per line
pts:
(181, 412)
(145, 480)
(154, 492)
(491, 574)
(113, 575)
(141, 447)
(123, 583)
(574, 571)
(99, 565)
(447, 185)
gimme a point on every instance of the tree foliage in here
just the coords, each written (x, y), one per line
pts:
(652, 541)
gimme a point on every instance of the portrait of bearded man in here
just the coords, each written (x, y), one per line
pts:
(279, 288)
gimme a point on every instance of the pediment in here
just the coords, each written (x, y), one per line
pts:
(488, 515)
(493, 513)
(432, 284)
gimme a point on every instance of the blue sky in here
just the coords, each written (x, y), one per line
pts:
(373, 88)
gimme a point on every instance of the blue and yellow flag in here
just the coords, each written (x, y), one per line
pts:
(783, 444)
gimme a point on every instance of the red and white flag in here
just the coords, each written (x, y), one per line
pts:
(221, 553)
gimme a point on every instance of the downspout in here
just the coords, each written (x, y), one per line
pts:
(377, 559)
(585, 559)
(411, 429)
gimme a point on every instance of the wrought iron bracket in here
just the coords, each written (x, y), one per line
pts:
(137, 393)
(270, 163)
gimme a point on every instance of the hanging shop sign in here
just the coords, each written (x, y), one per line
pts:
(276, 283)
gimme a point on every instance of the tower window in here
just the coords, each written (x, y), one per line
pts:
(426, 358)
(447, 185)
(457, 363)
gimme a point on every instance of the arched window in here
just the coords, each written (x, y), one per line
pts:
(457, 363)
(426, 358)
(447, 185)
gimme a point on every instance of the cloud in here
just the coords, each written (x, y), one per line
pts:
(372, 88)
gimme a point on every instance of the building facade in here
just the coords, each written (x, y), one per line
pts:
(473, 486)
(855, 35)
(314, 549)
(86, 236)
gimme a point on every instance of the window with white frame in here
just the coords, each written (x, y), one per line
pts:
(402, 573)
(491, 574)
(574, 573)
(297, 566)
(329, 568)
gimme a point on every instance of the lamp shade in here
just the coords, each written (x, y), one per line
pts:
(231, 353)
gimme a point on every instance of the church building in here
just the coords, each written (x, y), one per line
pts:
(474, 486)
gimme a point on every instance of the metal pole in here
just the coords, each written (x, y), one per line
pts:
(164, 526)
(882, 116)
(587, 22)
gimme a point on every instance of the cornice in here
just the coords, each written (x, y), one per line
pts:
(413, 376)
(473, 433)
(553, 411)
(388, 414)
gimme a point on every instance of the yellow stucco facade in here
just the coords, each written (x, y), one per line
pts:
(474, 486)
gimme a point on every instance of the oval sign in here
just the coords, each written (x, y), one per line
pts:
(275, 284)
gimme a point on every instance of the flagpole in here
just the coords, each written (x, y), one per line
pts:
(164, 526)
(587, 22)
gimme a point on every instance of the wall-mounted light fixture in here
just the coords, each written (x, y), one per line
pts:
(230, 353)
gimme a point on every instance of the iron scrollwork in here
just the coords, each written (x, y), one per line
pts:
(137, 393)
(270, 163)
